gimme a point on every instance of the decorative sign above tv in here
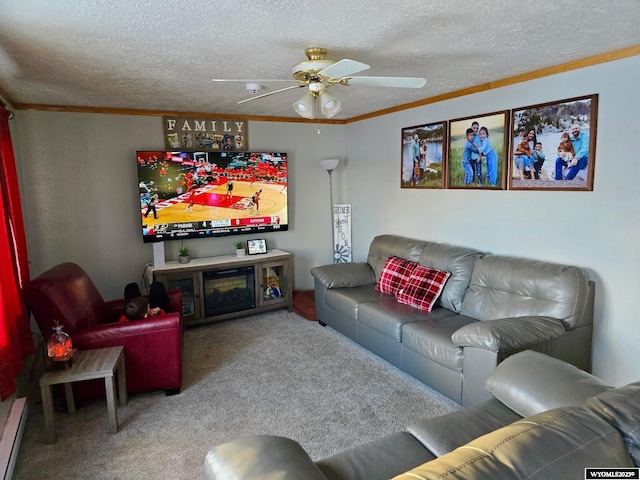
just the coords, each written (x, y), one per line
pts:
(205, 134)
(211, 194)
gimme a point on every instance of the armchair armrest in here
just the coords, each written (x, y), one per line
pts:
(507, 334)
(260, 457)
(109, 332)
(152, 347)
(340, 275)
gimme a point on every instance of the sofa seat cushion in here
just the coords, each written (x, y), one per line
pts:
(447, 432)
(389, 316)
(377, 460)
(431, 337)
(558, 443)
(347, 300)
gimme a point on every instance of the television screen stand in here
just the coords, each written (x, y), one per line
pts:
(224, 287)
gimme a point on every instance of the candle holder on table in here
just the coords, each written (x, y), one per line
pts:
(60, 351)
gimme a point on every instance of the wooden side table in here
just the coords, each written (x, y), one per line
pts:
(88, 365)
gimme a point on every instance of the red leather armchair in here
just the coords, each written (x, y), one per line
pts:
(152, 346)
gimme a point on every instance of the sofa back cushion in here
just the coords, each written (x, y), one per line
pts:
(620, 408)
(385, 246)
(65, 293)
(459, 261)
(558, 443)
(502, 287)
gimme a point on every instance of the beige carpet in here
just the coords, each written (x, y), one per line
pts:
(274, 373)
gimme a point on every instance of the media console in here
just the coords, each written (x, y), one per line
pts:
(219, 288)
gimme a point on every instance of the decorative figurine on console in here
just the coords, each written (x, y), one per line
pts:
(273, 288)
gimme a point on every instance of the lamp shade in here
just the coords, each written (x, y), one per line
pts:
(305, 106)
(329, 105)
(330, 164)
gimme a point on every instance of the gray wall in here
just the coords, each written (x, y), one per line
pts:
(78, 183)
(79, 192)
(597, 230)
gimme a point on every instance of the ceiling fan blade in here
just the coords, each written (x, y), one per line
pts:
(271, 93)
(251, 80)
(343, 68)
(402, 82)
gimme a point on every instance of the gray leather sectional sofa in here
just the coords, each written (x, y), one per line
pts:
(491, 307)
(545, 420)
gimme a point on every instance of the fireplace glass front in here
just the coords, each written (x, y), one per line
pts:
(228, 290)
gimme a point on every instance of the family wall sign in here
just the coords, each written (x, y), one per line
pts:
(205, 134)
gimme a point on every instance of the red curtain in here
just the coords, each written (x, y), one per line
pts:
(15, 336)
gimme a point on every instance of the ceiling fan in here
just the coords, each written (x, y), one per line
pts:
(318, 75)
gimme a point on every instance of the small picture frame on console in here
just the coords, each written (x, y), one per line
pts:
(257, 246)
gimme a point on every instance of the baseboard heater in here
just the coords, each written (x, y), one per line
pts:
(12, 436)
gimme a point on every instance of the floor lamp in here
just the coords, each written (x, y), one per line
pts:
(330, 165)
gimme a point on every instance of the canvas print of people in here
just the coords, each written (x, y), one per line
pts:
(554, 145)
(477, 150)
(422, 164)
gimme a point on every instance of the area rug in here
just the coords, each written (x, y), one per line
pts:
(273, 373)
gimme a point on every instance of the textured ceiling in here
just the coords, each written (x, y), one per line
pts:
(162, 54)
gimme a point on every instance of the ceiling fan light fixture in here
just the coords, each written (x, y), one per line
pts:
(305, 106)
(329, 105)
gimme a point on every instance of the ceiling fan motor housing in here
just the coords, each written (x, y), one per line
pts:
(305, 71)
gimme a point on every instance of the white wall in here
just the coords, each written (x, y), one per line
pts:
(79, 192)
(597, 230)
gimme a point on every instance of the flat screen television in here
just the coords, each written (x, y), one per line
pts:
(211, 194)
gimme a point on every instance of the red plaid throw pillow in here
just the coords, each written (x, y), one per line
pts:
(394, 275)
(423, 287)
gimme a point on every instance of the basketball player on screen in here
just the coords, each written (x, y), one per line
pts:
(255, 200)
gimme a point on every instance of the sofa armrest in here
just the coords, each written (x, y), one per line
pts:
(531, 382)
(260, 457)
(340, 275)
(508, 334)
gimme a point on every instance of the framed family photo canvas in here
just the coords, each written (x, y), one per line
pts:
(477, 151)
(554, 145)
(423, 156)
